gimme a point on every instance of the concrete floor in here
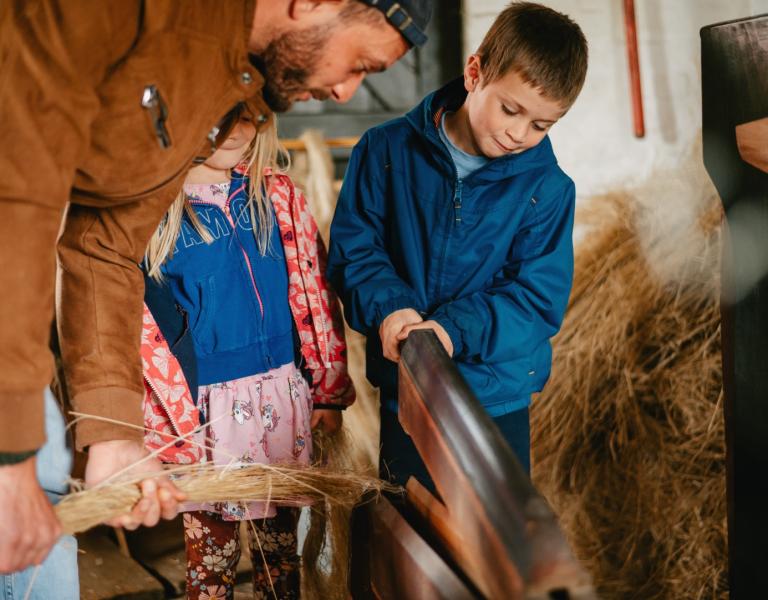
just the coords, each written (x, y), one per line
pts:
(155, 569)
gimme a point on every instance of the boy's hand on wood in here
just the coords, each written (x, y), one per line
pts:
(441, 333)
(390, 329)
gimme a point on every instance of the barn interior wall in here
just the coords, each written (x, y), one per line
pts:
(595, 142)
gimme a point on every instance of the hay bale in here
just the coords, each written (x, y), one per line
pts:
(628, 436)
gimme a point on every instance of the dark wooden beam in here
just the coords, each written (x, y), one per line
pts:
(503, 535)
(734, 58)
(391, 561)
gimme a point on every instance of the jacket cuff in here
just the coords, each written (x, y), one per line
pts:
(450, 328)
(22, 426)
(120, 405)
(392, 305)
(14, 458)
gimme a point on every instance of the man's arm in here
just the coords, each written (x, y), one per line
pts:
(526, 302)
(99, 313)
(48, 74)
(53, 54)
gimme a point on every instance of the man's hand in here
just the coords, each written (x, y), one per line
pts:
(28, 526)
(327, 419)
(442, 334)
(160, 496)
(390, 329)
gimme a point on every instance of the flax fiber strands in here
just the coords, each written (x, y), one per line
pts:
(628, 437)
(313, 170)
(326, 548)
(325, 555)
(208, 483)
(329, 488)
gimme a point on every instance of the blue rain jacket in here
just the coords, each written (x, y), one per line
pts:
(489, 257)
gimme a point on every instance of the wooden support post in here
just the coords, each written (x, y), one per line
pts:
(734, 69)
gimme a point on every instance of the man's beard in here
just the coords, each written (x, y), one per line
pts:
(287, 62)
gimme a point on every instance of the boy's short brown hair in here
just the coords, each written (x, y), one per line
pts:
(545, 47)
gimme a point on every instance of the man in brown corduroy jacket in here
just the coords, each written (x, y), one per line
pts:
(103, 108)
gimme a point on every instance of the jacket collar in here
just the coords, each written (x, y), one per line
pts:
(425, 118)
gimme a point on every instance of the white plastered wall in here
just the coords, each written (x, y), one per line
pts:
(594, 142)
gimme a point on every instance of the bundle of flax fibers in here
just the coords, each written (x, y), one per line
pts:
(330, 490)
(628, 437)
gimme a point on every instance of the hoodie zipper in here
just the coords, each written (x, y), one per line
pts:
(455, 222)
(174, 425)
(457, 200)
(227, 214)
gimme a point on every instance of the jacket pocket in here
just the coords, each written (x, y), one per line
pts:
(228, 318)
(206, 301)
(151, 107)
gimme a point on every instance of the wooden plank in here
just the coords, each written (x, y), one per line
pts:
(479, 555)
(435, 514)
(735, 102)
(511, 543)
(297, 144)
(402, 564)
(105, 573)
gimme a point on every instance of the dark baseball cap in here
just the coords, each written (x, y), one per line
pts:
(409, 17)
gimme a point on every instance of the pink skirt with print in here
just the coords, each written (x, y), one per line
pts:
(257, 419)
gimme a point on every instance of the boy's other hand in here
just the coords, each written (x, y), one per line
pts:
(390, 329)
(327, 419)
(441, 333)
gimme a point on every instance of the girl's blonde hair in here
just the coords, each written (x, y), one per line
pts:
(264, 152)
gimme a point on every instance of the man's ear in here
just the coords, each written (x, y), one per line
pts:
(301, 10)
(472, 73)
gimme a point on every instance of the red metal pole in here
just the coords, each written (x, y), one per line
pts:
(634, 68)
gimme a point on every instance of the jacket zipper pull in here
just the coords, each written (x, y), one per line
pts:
(457, 202)
(154, 104)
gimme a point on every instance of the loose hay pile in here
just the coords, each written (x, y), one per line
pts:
(628, 437)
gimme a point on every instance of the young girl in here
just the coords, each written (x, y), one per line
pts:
(242, 334)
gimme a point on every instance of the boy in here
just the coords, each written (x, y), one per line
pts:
(456, 218)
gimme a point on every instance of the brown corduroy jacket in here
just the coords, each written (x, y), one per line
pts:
(103, 105)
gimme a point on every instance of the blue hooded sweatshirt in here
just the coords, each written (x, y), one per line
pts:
(489, 257)
(234, 298)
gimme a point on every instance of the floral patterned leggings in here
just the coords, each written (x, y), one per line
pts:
(213, 551)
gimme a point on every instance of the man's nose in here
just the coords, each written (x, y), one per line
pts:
(343, 92)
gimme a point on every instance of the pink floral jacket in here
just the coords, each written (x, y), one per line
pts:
(169, 410)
